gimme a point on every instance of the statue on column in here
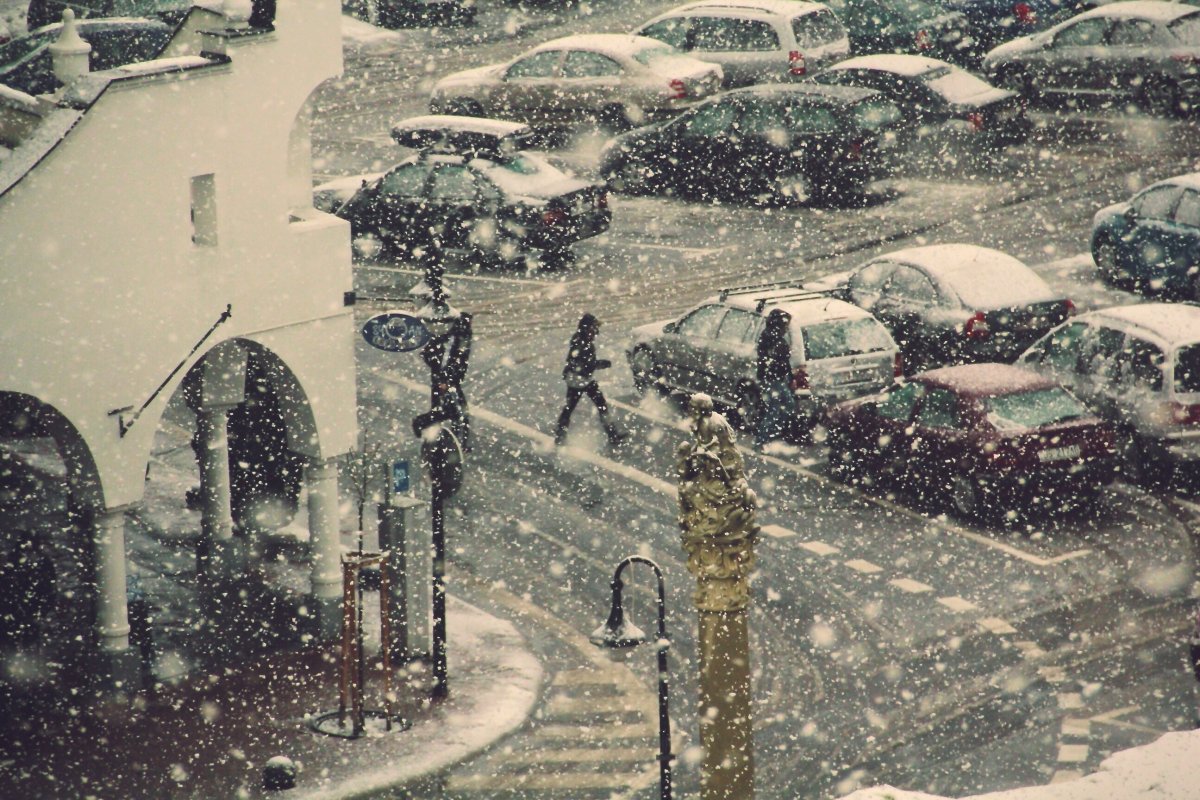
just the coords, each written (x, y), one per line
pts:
(717, 511)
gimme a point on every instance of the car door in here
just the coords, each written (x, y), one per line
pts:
(908, 299)
(817, 142)
(1133, 47)
(1145, 250)
(1069, 63)
(865, 287)
(590, 82)
(748, 50)
(397, 209)
(1136, 379)
(454, 207)
(883, 433)
(733, 354)
(527, 90)
(939, 440)
(675, 31)
(685, 362)
(760, 145)
(704, 146)
(1096, 369)
(1183, 242)
(1057, 354)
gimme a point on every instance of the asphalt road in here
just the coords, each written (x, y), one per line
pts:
(890, 643)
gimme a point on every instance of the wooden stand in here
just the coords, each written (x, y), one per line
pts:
(353, 680)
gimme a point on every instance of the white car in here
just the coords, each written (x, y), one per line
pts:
(619, 80)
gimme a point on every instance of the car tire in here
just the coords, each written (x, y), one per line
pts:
(1016, 79)
(1136, 467)
(644, 370)
(628, 177)
(1104, 253)
(463, 107)
(791, 188)
(1160, 97)
(843, 462)
(614, 118)
(965, 497)
(560, 258)
(745, 413)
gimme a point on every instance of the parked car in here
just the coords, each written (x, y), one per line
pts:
(615, 79)
(993, 22)
(1153, 240)
(471, 190)
(1137, 366)
(978, 437)
(26, 65)
(838, 351)
(905, 26)
(953, 303)
(946, 106)
(754, 41)
(775, 143)
(1145, 51)
(47, 12)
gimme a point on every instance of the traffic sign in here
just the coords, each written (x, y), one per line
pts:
(395, 332)
(443, 459)
(400, 476)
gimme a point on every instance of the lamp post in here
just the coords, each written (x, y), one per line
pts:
(619, 635)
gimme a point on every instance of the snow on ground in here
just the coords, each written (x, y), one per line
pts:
(357, 32)
(1163, 770)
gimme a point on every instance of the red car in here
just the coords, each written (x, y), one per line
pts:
(978, 436)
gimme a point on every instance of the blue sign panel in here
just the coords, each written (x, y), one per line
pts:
(399, 477)
(395, 332)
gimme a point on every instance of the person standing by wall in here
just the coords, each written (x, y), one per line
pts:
(774, 372)
(579, 373)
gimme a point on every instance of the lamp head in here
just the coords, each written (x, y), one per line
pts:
(617, 633)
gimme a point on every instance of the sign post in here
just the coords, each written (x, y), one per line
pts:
(442, 457)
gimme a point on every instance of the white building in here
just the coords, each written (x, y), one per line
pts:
(137, 207)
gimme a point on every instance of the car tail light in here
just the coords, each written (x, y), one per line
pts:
(898, 366)
(678, 89)
(554, 216)
(796, 64)
(1181, 413)
(1186, 58)
(855, 150)
(922, 40)
(799, 380)
(1069, 307)
(976, 120)
(1025, 14)
(602, 199)
(977, 327)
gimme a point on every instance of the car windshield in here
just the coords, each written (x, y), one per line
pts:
(1026, 410)
(1187, 29)
(1187, 369)
(523, 173)
(654, 53)
(876, 114)
(844, 337)
(956, 85)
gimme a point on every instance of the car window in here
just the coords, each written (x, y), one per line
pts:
(809, 119)
(876, 113)
(710, 120)
(1085, 33)
(1187, 369)
(765, 120)
(725, 34)
(912, 285)
(1188, 210)
(538, 65)
(1157, 203)
(1059, 349)
(900, 401)
(845, 337)
(872, 277)
(673, 31)
(737, 326)
(1139, 363)
(702, 323)
(405, 181)
(939, 409)
(1187, 29)
(1026, 410)
(816, 29)
(1098, 352)
(1132, 33)
(655, 52)
(585, 64)
(452, 182)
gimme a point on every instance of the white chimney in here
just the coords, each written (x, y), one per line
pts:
(70, 52)
(237, 12)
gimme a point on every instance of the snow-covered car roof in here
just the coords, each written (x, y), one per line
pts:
(788, 8)
(804, 310)
(451, 133)
(981, 276)
(1173, 323)
(985, 380)
(839, 94)
(625, 45)
(1191, 180)
(1156, 10)
(904, 64)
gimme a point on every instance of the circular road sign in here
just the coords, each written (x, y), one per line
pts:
(395, 332)
(443, 458)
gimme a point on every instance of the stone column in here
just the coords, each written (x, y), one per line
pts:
(216, 516)
(719, 530)
(321, 480)
(117, 663)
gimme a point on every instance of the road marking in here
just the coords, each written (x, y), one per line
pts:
(865, 567)
(958, 604)
(1070, 700)
(1076, 727)
(1072, 753)
(1029, 649)
(996, 625)
(1053, 674)
(1066, 775)
(778, 532)
(910, 586)
(581, 756)
(687, 252)
(1110, 718)
(451, 277)
(820, 548)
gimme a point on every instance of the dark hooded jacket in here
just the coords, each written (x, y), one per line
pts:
(774, 364)
(581, 355)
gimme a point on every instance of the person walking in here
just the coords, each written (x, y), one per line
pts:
(579, 373)
(774, 372)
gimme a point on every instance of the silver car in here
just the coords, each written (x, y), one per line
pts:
(755, 41)
(1147, 51)
(839, 351)
(620, 80)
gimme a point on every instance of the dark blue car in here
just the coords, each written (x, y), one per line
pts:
(994, 22)
(1153, 240)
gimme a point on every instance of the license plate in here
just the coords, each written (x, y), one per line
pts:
(1059, 453)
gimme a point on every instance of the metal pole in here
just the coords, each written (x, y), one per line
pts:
(440, 687)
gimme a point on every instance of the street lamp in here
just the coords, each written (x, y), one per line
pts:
(619, 635)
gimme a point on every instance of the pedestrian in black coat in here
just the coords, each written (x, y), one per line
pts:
(777, 402)
(579, 373)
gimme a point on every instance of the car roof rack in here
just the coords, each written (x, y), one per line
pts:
(786, 291)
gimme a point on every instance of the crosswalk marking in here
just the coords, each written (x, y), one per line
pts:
(1072, 753)
(778, 531)
(820, 548)
(585, 755)
(910, 586)
(958, 604)
(1070, 700)
(996, 625)
(863, 566)
(1064, 775)
(563, 781)
(1076, 727)
(1029, 649)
